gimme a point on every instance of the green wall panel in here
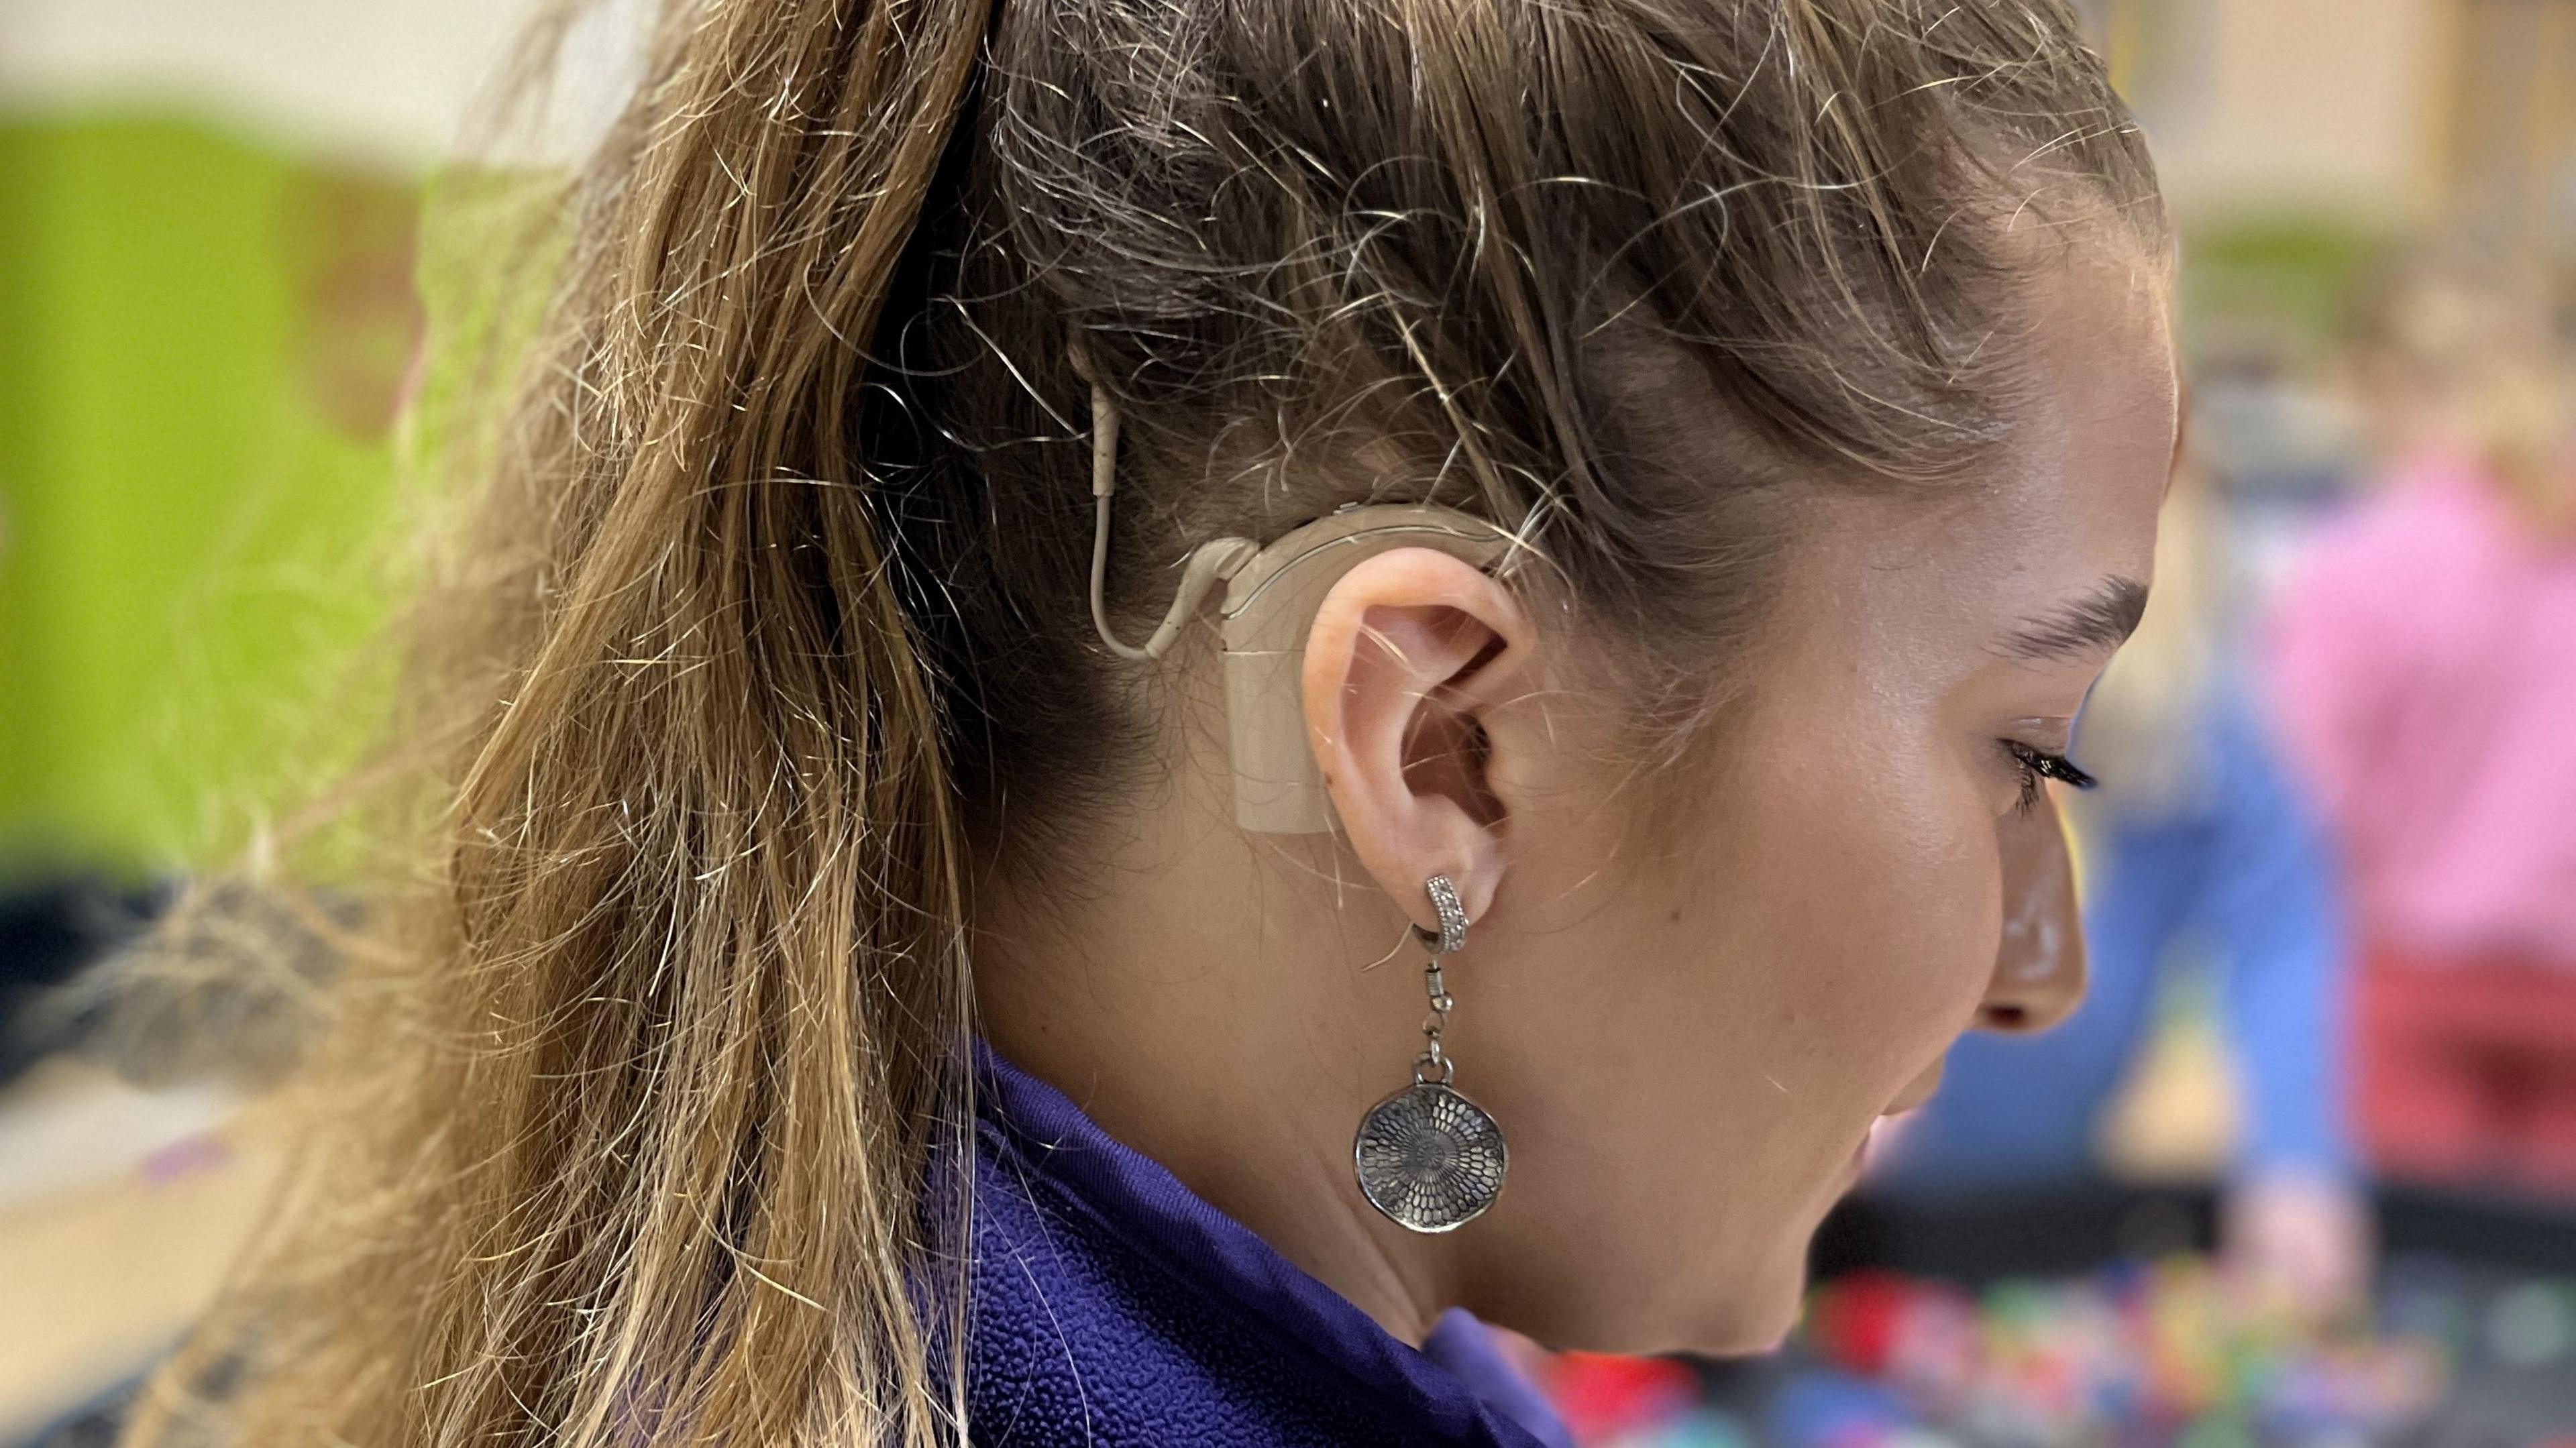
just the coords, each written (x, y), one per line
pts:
(196, 334)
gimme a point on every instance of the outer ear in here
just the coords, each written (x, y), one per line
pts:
(1409, 654)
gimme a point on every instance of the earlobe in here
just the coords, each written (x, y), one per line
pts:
(1408, 655)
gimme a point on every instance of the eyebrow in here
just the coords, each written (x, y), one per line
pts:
(2094, 624)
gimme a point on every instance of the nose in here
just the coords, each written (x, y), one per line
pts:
(2039, 967)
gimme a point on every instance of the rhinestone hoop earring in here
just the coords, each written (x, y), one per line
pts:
(1428, 1157)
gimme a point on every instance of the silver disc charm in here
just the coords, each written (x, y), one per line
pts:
(1429, 1158)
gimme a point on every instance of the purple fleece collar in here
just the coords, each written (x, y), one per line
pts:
(1039, 1146)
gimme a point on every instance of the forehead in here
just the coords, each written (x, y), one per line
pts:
(2069, 500)
(2092, 445)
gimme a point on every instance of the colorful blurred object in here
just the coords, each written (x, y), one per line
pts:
(1607, 1399)
(2163, 1355)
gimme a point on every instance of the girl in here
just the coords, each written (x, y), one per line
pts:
(2425, 677)
(1623, 501)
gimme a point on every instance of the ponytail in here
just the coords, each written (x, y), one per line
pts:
(627, 1116)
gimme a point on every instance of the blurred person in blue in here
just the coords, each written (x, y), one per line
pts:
(2198, 846)
(2425, 664)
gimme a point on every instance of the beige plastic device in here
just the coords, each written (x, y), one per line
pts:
(1270, 600)
(1269, 604)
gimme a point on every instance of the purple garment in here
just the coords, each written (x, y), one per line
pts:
(1110, 1307)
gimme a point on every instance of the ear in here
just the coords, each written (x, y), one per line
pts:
(1411, 653)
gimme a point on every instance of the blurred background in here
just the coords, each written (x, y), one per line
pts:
(2302, 1171)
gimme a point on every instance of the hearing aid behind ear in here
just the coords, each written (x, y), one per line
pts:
(1269, 605)
(1270, 600)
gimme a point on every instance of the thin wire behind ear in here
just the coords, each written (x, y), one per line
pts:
(1210, 563)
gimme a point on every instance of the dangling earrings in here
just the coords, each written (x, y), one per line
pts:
(1428, 1157)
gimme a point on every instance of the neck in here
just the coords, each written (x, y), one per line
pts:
(1221, 1004)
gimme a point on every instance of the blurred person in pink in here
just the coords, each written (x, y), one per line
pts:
(2425, 678)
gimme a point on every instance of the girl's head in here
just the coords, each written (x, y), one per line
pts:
(2455, 354)
(1814, 353)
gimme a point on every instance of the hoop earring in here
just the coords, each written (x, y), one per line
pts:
(1428, 1158)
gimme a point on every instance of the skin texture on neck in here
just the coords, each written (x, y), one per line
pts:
(1258, 1006)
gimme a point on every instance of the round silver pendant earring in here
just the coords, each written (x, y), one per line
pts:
(1428, 1157)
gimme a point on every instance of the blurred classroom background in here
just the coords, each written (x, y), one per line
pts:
(2302, 1172)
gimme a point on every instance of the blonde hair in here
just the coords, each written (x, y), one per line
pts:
(2526, 429)
(2471, 334)
(771, 602)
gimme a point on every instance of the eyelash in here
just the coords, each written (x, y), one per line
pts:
(2039, 764)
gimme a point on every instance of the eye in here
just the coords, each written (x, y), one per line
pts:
(2037, 764)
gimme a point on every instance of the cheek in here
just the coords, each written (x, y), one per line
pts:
(1880, 892)
(1700, 1034)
